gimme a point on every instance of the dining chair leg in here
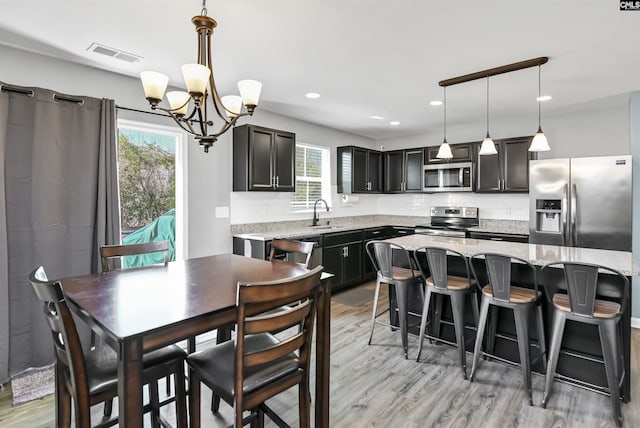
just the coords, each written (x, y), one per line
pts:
(608, 339)
(155, 406)
(542, 341)
(521, 314)
(194, 400)
(181, 395)
(63, 402)
(494, 319)
(304, 407)
(375, 309)
(402, 295)
(108, 408)
(457, 306)
(423, 321)
(477, 349)
(437, 315)
(554, 352)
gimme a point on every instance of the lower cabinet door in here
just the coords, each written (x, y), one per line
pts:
(352, 263)
(332, 261)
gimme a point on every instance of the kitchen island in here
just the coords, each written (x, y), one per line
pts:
(580, 360)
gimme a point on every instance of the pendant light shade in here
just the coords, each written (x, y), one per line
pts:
(445, 150)
(487, 147)
(539, 142)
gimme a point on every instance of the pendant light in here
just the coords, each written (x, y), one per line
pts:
(539, 142)
(487, 147)
(445, 150)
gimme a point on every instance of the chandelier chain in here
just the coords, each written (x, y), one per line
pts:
(204, 8)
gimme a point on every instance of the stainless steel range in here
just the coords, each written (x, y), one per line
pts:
(450, 221)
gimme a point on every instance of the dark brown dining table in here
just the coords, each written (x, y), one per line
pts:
(142, 309)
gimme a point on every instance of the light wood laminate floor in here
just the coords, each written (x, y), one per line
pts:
(374, 386)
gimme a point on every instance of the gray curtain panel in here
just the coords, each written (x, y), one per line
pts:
(58, 205)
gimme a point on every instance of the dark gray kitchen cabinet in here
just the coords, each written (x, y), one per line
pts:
(263, 159)
(359, 170)
(506, 171)
(403, 171)
(461, 153)
(342, 256)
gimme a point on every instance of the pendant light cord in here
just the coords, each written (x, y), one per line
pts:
(487, 105)
(539, 95)
(445, 114)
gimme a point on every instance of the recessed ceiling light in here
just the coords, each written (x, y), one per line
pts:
(312, 95)
(377, 117)
(394, 123)
(436, 103)
(544, 98)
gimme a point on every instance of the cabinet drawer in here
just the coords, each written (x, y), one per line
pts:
(342, 237)
(375, 233)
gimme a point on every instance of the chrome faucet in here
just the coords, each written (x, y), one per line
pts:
(315, 214)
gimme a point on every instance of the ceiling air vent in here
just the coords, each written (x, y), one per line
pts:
(114, 53)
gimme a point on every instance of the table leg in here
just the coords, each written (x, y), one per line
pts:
(130, 405)
(323, 339)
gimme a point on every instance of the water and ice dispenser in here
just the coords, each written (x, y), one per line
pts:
(548, 215)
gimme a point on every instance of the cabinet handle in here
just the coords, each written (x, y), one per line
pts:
(273, 182)
(344, 251)
(277, 181)
(376, 232)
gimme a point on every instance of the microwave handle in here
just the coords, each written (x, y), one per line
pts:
(461, 176)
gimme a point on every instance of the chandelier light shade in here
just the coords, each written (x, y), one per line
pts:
(539, 142)
(190, 109)
(445, 150)
(487, 147)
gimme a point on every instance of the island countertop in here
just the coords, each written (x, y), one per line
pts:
(537, 254)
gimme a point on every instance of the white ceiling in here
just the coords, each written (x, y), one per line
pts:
(365, 57)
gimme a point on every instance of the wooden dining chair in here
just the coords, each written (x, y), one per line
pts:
(92, 378)
(293, 251)
(109, 254)
(257, 365)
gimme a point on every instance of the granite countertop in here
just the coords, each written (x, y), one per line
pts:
(302, 228)
(539, 255)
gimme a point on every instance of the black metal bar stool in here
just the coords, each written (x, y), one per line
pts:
(456, 287)
(381, 254)
(500, 292)
(575, 299)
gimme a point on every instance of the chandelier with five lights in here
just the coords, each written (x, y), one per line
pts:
(191, 109)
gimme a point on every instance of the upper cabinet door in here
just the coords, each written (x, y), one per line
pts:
(260, 165)
(263, 159)
(413, 163)
(488, 177)
(359, 171)
(515, 160)
(461, 153)
(394, 169)
(285, 167)
(374, 171)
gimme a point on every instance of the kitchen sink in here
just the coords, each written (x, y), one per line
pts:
(322, 227)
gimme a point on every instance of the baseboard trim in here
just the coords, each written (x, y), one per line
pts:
(635, 322)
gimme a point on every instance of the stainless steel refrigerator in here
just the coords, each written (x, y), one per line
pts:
(581, 202)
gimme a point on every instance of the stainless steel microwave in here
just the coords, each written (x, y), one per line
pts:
(448, 177)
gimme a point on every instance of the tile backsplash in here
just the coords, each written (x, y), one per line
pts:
(258, 207)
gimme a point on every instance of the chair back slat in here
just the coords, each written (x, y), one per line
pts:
(67, 345)
(301, 293)
(438, 264)
(499, 269)
(286, 317)
(381, 254)
(583, 283)
(110, 252)
(292, 250)
(274, 353)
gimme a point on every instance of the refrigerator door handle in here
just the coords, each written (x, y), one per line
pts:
(565, 215)
(574, 207)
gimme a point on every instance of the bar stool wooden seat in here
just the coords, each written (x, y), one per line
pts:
(90, 378)
(381, 254)
(457, 288)
(500, 292)
(576, 299)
